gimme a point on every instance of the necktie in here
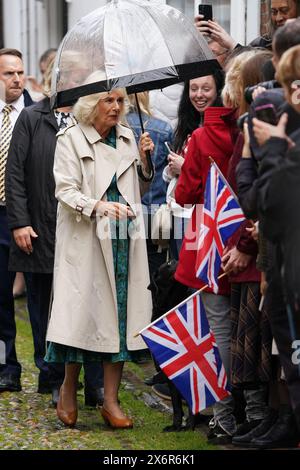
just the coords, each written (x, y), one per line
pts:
(6, 132)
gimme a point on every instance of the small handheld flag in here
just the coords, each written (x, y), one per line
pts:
(222, 216)
(185, 348)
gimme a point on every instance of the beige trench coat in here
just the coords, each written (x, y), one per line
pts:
(84, 310)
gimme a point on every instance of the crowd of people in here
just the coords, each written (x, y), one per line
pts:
(76, 194)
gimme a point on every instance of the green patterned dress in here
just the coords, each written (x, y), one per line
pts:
(120, 245)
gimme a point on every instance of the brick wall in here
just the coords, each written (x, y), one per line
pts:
(265, 11)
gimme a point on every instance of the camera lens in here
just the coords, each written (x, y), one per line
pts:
(241, 121)
(248, 93)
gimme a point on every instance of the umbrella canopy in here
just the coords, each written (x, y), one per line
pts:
(132, 44)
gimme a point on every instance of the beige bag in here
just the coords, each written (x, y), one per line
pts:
(161, 226)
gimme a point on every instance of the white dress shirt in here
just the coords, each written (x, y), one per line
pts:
(17, 106)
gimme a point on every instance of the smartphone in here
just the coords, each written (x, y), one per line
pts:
(206, 11)
(169, 147)
(266, 113)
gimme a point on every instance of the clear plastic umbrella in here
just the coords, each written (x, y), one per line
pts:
(132, 44)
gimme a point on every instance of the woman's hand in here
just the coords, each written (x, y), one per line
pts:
(258, 91)
(254, 230)
(263, 284)
(201, 25)
(246, 149)
(23, 236)
(175, 163)
(214, 31)
(264, 131)
(218, 34)
(113, 210)
(145, 144)
(234, 260)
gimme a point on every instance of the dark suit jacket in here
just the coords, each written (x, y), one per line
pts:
(30, 186)
(5, 237)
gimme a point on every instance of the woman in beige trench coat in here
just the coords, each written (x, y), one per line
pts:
(101, 270)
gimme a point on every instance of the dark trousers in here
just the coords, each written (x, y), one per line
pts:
(39, 288)
(285, 329)
(155, 257)
(7, 315)
(93, 375)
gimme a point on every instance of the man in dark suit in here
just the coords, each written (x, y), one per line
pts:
(13, 98)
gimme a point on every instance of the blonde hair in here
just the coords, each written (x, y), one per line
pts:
(231, 94)
(144, 102)
(252, 74)
(288, 70)
(48, 78)
(86, 110)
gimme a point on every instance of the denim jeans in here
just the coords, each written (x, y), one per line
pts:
(217, 309)
(256, 407)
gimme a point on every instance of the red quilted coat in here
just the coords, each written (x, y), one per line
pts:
(215, 139)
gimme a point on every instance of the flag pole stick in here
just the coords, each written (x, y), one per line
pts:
(178, 306)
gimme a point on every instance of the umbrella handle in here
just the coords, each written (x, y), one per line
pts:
(150, 168)
(148, 155)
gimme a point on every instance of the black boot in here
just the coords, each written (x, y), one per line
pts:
(55, 396)
(10, 383)
(246, 427)
(44, 385)
(158, 378)
(282, 434)
(245, 440)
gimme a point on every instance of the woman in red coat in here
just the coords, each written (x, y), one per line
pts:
(216, 140)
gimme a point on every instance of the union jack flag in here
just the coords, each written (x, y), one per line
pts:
(185, 348)
(222, 216)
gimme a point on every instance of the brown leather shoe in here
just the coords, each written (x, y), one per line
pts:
(69, 418)
(114, 422)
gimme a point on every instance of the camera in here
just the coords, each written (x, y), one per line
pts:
(270, 85)
(266, 113)
(241, 121)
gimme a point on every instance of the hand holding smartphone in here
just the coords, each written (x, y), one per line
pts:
(169, 147)
(175, 161)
